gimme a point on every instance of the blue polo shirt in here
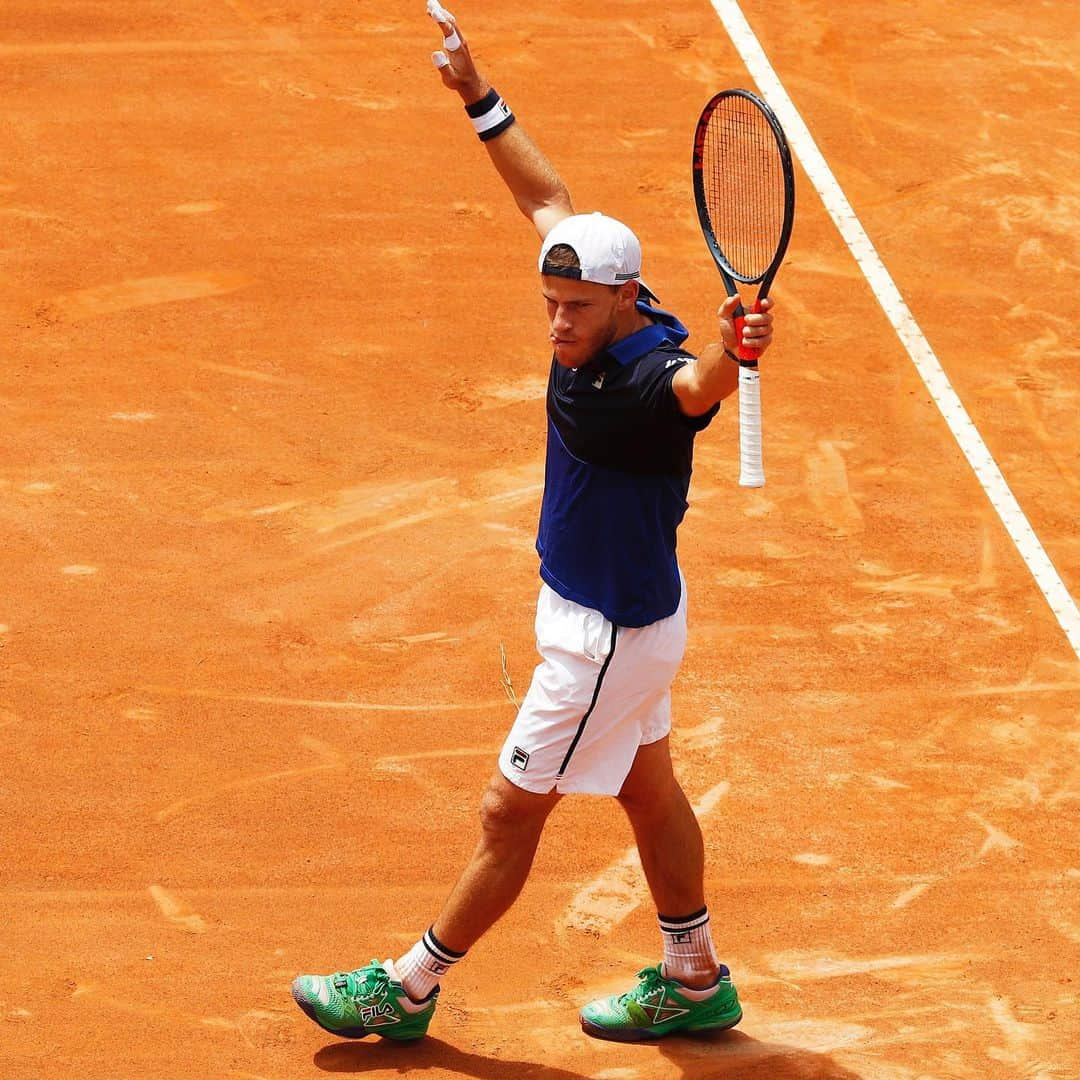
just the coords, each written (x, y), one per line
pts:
(619, 458)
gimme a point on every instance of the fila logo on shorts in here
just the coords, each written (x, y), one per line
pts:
(519, 759)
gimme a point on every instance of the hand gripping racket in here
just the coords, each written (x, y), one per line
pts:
(744, 187)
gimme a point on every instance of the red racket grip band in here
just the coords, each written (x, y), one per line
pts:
(744, 352)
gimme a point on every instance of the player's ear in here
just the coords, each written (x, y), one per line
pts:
(627, 295)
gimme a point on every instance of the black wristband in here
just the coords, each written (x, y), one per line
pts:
(490, 115)
(485, 104)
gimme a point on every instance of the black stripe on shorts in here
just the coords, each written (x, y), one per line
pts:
(592, 705)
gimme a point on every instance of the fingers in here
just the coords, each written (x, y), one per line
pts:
(452, 61)
(451, 38)
(727, 308)
(756, 327)
(447, 24)
(438, 12)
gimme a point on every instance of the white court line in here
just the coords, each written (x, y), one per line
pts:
(896, 310)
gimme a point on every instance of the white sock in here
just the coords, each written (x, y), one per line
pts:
(688, 946)
(421, 968)
(405, 1002)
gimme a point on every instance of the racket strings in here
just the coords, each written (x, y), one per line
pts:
(744, 186)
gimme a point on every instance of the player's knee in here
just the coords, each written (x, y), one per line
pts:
(508, 814)
(641, 801)
(495, 815)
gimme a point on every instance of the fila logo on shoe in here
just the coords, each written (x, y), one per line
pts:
(659, 1011)
(378, 1015)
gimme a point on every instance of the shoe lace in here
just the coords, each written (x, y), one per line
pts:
(367, 983)
(651, 980)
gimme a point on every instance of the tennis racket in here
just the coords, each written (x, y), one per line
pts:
(744, 187)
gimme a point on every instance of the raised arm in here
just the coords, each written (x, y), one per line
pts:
(537, 188)
(715, 374)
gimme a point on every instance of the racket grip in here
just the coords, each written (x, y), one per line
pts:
(744, 352)
(751, 470)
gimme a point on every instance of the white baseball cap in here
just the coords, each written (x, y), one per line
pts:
(609, 253)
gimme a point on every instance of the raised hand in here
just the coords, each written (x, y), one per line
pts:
(454, 61)
(757, 329)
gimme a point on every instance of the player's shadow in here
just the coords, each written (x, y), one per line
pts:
(429, 1053)
(733, 1055)
(725, 1055)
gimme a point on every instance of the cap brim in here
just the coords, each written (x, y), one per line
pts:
(645, 293)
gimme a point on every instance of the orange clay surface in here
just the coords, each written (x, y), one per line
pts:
(272, 372)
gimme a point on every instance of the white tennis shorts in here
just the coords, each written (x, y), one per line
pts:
(600, 692)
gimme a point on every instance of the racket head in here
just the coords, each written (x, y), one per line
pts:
(744, 187)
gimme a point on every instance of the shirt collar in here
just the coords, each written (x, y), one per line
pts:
(664, 327)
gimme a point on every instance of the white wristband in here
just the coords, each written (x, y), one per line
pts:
(496, 115)
(490, 116)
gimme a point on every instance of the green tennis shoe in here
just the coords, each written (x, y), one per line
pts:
(658, 1006)
(367, 1001)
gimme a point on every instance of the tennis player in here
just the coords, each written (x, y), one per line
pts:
(624, 404)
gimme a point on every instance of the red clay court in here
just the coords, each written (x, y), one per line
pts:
(272, 404)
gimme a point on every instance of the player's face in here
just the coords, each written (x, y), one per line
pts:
(583, 318)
